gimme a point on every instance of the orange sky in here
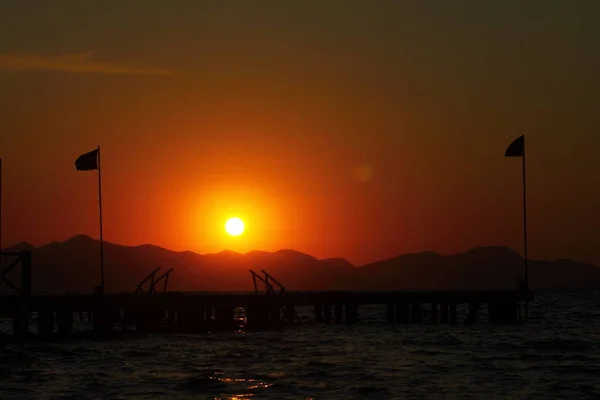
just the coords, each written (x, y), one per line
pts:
(205, 112)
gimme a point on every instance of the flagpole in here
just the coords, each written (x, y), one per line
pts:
(524, 171)
(525, 219)
(101, 233)
(0, 209)
(517, 149)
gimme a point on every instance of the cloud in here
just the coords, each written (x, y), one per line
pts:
(76, 63)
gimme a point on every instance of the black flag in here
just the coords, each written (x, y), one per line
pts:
(516, 148)
(87, 161)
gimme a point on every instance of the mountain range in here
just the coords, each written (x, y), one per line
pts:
(73, 265)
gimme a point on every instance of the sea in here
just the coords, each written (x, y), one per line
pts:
(554, 355)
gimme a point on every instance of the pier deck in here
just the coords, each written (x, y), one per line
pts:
(203, 312)
(77, 303)
(150, 311)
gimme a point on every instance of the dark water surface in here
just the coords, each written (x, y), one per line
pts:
(555, 355)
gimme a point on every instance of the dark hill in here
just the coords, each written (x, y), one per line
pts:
(73, 265)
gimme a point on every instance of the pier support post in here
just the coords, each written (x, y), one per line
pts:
(224, 318)
(206, 315)
(21, 312)
(102, 321)
(351, 313)
(191, 320)
(46, 324)
(327, 314)
(171, 317)
(21, 323)
(512, 313)
(453, 313)
(434, 313)
(415, 312)
(64, 319)
(319, 313)
(338, 313)
(390, 313)
(149, 319)
(257, 316)
(444, 313)
(473, 310)
(503, 313)
(251, 317)
(274, 313)
(290, 314)
(402, 313)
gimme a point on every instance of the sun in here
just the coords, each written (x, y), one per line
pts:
(234, 226)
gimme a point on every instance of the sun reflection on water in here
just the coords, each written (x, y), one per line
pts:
(252, 384)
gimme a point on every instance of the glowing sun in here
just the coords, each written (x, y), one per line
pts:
(234, 226)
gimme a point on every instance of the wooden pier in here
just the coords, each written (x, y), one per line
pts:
(151, 311)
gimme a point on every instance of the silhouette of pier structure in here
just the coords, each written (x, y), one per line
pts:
(149, 310)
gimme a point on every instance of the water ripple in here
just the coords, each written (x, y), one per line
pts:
(554, 356)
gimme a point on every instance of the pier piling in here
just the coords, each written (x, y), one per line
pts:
(390, 313)
(290, 314)
(327, 314)
(402, 313)
(46, 324)
(64, 319)
(351, 313)
(338, 313)
(201, 313)
(503, 313)
(444, 313)
(319, 313)
(434, 313)
(224, 318)
(453, 313)
(416, 312)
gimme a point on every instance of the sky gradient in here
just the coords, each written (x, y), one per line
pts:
(338, 128)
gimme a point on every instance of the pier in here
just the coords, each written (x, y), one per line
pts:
(152, 310)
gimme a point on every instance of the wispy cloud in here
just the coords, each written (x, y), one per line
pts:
(76, 63)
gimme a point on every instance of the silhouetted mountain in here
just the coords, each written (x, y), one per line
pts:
(73, 265)
(19, 247)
